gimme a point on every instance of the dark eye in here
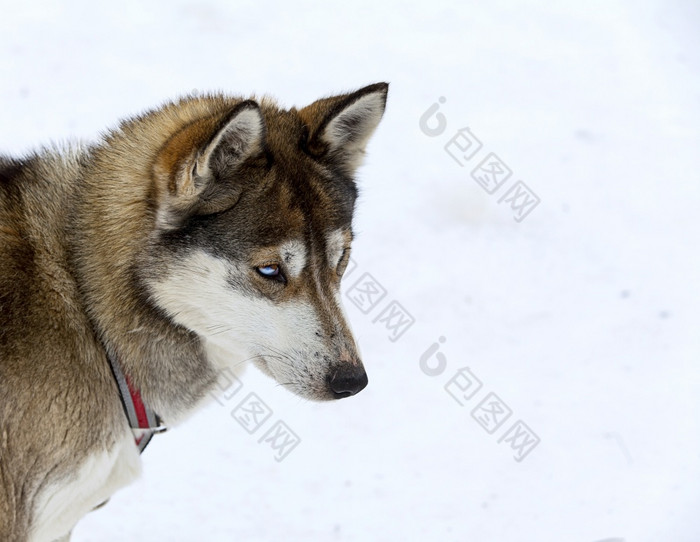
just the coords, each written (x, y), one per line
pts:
(272, 272)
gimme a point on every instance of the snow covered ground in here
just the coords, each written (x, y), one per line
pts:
(581, 318)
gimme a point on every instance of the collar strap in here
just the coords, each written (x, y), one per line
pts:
(142, 420)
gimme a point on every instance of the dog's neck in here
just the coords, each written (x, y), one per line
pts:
(114, 223)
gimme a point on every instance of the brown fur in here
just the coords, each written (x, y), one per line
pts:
(78, 232)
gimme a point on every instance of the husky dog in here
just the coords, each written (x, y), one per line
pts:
(211, 231)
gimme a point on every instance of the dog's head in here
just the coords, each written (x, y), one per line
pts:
(253, 230)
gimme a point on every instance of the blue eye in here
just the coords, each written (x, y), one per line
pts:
(269, 270)
(272, 271)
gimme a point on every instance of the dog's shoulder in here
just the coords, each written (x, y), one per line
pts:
(40, 307)
(16, 251)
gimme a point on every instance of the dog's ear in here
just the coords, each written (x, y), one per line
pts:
(340, 127)
(197, 168)
(239, 135)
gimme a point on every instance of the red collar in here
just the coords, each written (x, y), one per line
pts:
(142, 420)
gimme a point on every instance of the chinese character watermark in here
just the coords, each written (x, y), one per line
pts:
(522, 200)
(281, 439)
(522, 440)
(463, 385)
(252, 413)
(396, 319)
(463, 146)
(491, 413)
(491, 174)
(367, 294)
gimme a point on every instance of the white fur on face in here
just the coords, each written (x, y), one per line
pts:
(281, 338)
(293, 254)
(335, 245)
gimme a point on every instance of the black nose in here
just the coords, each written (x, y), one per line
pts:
(346, 380)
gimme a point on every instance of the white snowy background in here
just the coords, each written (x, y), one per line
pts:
(582, 318)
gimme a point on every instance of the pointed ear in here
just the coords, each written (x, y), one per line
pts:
(340, 127)
(239, 135)
(196, 169)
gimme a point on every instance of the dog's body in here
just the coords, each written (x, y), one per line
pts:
(206, 233)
